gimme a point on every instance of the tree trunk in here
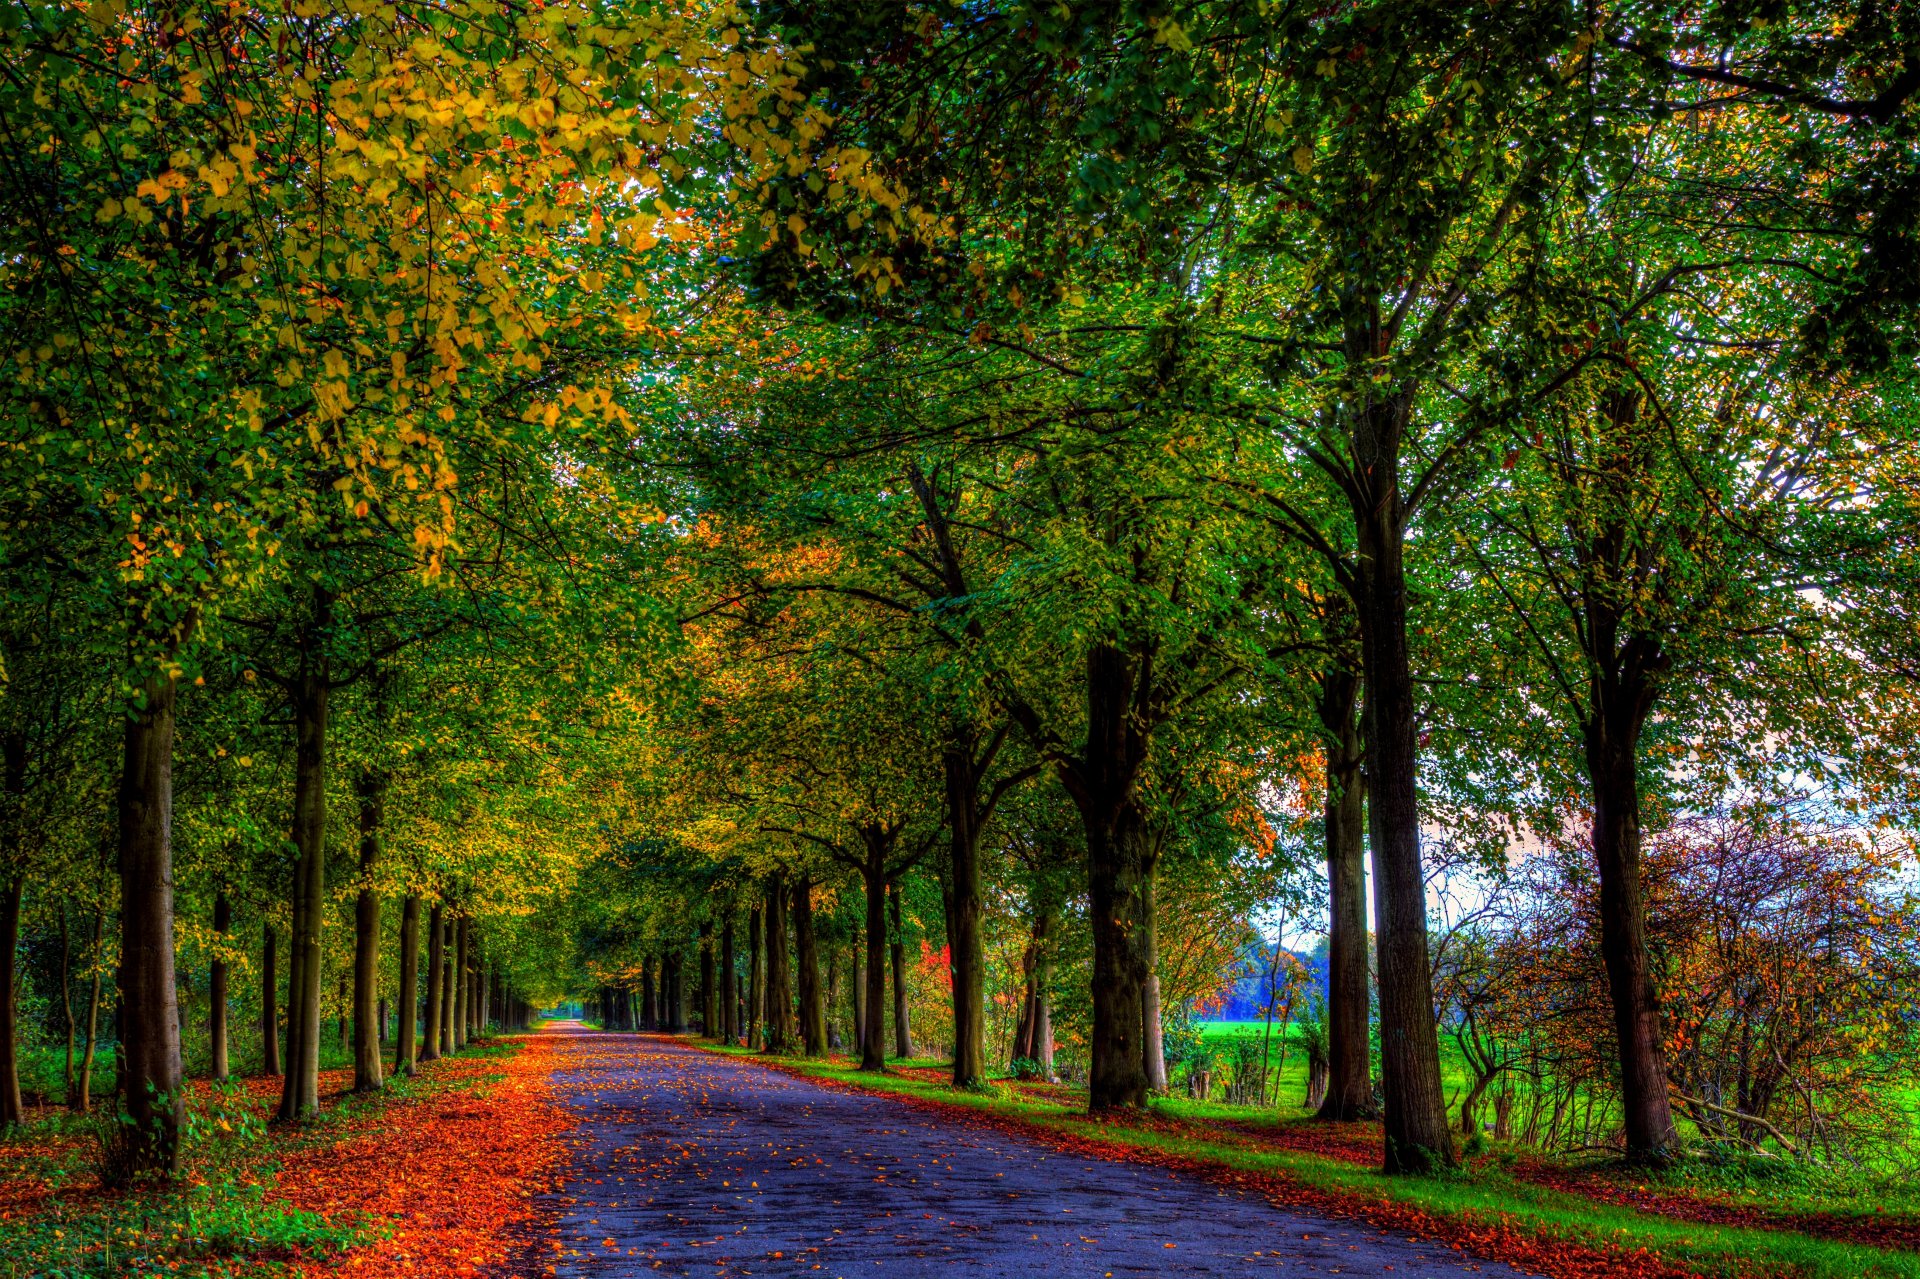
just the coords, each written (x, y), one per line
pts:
(151, 1102)
(83, 1100)
(780, 1028)
(1153, 1048)
(1119, 856)
(709, 1005)
(813, 1008)
(1349, 1091)
(1418, 1136)
(857, 992)
(449, 956)
(462, 939)
(269, 1002)
(12, 1108)
(1612, 761)
(436, 964)
(217, 988)
(834, 1042)
(1116, 858)
(407, 1006)
(372, 790)
(966, 949)
(754, 999)
(730, 1011)
(300, 1096)
(902, 1025)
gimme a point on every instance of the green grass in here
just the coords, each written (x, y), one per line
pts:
(1484, 1195)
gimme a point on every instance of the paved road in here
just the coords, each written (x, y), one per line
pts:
(688, 1163)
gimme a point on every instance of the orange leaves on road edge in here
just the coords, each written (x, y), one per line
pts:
(445, 1184)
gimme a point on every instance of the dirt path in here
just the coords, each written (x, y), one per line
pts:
(688, 1163)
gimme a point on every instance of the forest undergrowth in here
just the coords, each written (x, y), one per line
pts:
(432, 1177)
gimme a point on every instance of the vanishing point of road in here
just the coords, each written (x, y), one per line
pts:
(692, 1163)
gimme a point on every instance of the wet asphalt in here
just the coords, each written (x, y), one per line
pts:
(690, 1163)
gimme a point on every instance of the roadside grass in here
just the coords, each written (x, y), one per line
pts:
(218, 1220)
(1484, 1199)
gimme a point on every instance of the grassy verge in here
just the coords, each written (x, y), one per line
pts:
(1485, 1208)
(221, 1218)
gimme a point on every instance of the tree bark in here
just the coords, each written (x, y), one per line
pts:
(966, 948)
(372, 789)
(1349, 1091)
(407, 1006)
(1101, 783)
(813, 1008)
(754, 983)
(148, 1141)
(462, 939)
(1153, 1050)
(1418, 1136)
(300, 1096)
(1612, 761)
(83, 1100)
(780, 1028)
(897, 946)
(730, 1012)
(449, 956)
(709, 1005)
(269, 1002)
(436, 964)
(217, 988)
(12, 1108)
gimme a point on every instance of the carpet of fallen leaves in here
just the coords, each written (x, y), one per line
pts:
(443, 1185)
(1502, 1239)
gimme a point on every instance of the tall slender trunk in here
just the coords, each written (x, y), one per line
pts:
(832, 993)
(813, 1008)
(753, 977)
(449, 956)
(1041, 1031)
(1418, 1136)
(873, 1038)
(857, 993)
(780, 1027)
(269, 1002)
(709, 1005)
(13, 814)
(151, 1101)
(343, 1001)
(82, 1098)
(457, 974)
(897, 948)
(730, 1010)
(217, 987)
(12, 1108)
(1153, 1048)
(372, 790)
(300, 1095)
(966, 948)
(1612, 739)
(436, 962)
(407, 1006)
(1349, 1091)
(66, 992)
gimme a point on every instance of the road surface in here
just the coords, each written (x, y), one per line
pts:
(691, 1163)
